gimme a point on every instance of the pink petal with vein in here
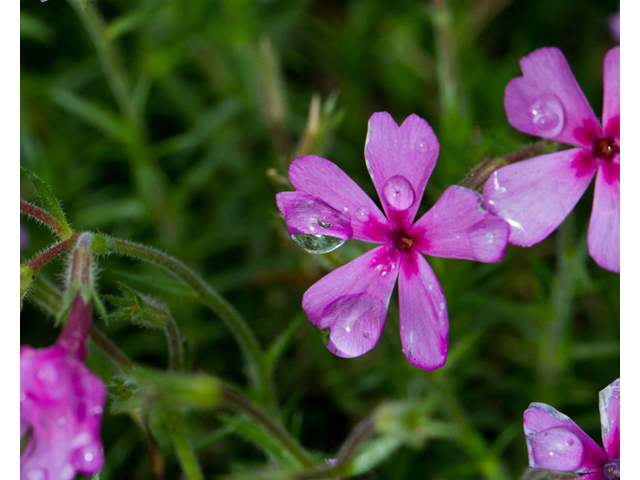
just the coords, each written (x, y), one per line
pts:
(534, 196)
(603, 238)
(458, 226)
(322, 179)
(352, 301)
(610, 418)
(555, 442)
(611, 106)
(548, 102)
(409, 152)
(424, 325)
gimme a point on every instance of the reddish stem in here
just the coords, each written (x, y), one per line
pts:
(43, 216)
(52, 252)
(477, 177)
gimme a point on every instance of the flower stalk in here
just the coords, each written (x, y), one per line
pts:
(259, 375)
(39, 214)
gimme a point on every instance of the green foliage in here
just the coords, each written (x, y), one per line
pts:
(172, 124)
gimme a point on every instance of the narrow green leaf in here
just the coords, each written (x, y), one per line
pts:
(93, 114)
(265, 442)
(52, 205)
(373, 453)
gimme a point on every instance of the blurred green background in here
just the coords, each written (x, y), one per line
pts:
(172, 123)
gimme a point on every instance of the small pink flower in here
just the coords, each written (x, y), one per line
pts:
(328, 208)
(555, 442)
(536, 195)
(61, 402)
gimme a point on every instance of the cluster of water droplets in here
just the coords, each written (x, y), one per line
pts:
(398, 193)
(325, 228)
(547, 115)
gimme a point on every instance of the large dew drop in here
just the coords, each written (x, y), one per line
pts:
(547, 115)
(558, 448)
(398, 193)
(316, 243)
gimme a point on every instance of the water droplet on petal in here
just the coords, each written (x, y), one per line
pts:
(398, 193)
(22, 396)
(325, 220)
(490, 237)
(96, 410)
(547, 115)
(366, 334)
(362, 214)
(316, 243)
(431, 286)
(422, 145)
(557, 448)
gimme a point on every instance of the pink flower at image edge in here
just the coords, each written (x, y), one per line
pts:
(555, 442)
(534, 196)
(61, 405)
(352, 300)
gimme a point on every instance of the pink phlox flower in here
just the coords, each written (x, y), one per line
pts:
(536, 195)
(555, 442)
(352, 300)
(61, 403)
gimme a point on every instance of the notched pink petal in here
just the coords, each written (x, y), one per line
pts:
(323, 180)
(352, 301)
(610, 419)
(308, 215)
(424, 325)
(603, 238)
(400, 161)
(459, 226)
(555, 442)
(547, 100)
(534, 196)
(611, 105)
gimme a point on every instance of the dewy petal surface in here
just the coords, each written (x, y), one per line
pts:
(424, 325)
(555, 442)
(310, 216)
(323, 180)
(603, 238)
(534, 196)
(611, 105)
(458, 226)
(62, 402)
(352, 301)
(409, 151)
(610, 419)
(547, 100)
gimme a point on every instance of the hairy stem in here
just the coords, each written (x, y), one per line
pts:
(258, 372)
(44, 217)
(479, 174)
(52, 252)
(174, 340)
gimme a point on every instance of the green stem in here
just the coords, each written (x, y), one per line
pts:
(258, 372)
(174, 340)
(44, 217)
(553, 358)
(235, 399)
(470, 438)
(186, 454)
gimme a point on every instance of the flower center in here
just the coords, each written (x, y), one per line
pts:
(605, 148)
(611, 469)
(401, 240)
